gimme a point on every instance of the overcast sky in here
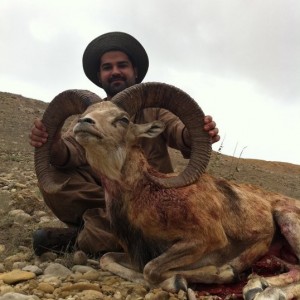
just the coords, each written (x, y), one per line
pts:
(239, 59)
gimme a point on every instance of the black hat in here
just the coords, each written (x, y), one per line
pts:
(110, 41)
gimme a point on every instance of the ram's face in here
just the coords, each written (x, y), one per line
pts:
(102, 126)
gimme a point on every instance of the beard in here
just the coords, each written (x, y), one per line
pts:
(117, 84)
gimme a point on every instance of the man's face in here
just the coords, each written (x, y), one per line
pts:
(116, 72)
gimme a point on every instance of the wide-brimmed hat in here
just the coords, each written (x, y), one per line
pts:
(110, 41)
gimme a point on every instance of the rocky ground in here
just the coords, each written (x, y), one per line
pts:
(69, 276)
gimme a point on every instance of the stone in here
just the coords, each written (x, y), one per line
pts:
(2, 248)
(18, 296)
(46, 257)
(58, 270)
(34, 269)
(81, 286)
(44, 220)
(81, 269)
(80, 258)
(92, 275)
(91, 295)
(19, 264)
(15, 212)
(46, 287)
(17, 257)
(5, 288)
(23, 218)
(2, 268)
(16, 276)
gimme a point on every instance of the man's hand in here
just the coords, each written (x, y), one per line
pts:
(210, 126)
(38, 136)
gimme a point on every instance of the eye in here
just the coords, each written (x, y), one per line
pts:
(106, 67)
(124, 121)
(123, 65)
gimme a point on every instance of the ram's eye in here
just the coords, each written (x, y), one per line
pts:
(122, 120)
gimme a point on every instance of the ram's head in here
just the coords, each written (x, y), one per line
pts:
(124, 105)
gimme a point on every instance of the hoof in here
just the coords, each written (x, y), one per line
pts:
(252, 294)
(191, 295)
(174, 284)
(259, 289)
(271, 293)
(254, 287)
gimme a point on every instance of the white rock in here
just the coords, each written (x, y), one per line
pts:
(23, 218)
(81, 269)
(2, 268)
(19, 264)
(44, 219)
(16, 212)
(34, 269)
(2, 248)
(40, 213)
(17, 296)
(58, 270)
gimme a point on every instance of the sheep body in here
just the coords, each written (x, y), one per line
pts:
(207, 232)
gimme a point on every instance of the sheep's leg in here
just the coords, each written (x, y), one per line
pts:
(119, 264)
(283, 286)
(288, 219)
(177, 262)
(286, 285)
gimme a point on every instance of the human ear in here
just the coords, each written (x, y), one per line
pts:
(135, 73)
(98, 75)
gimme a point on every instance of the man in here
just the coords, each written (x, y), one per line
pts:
(113, 61)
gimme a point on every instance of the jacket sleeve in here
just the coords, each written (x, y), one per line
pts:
(175, 134)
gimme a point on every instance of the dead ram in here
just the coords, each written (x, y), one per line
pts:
(176, 228)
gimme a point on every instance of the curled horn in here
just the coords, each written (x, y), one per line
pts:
(161, 95)
(67, 103)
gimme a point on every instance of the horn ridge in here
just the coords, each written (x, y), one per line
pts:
(64, 105)
(162, 95)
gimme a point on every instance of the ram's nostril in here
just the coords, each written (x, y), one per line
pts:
(86, 120)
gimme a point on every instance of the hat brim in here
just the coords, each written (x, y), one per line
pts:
(119, 41)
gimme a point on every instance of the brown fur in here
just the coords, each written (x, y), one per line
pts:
(207, 232)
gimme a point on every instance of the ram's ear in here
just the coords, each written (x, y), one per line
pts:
(150, 130)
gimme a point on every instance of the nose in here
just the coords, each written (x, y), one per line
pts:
(86, 120)
(116, 70)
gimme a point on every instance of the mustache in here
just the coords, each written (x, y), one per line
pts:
(115, 78)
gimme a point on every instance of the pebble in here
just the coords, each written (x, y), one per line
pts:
(2, 248)
(80, 258)
(17, 296)
(19, 265)
(57, 270)
(17, 257)
(79, 282)
(81, 269)
(34, 269)
(15, 276)
(2, 268)
(46, 287)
